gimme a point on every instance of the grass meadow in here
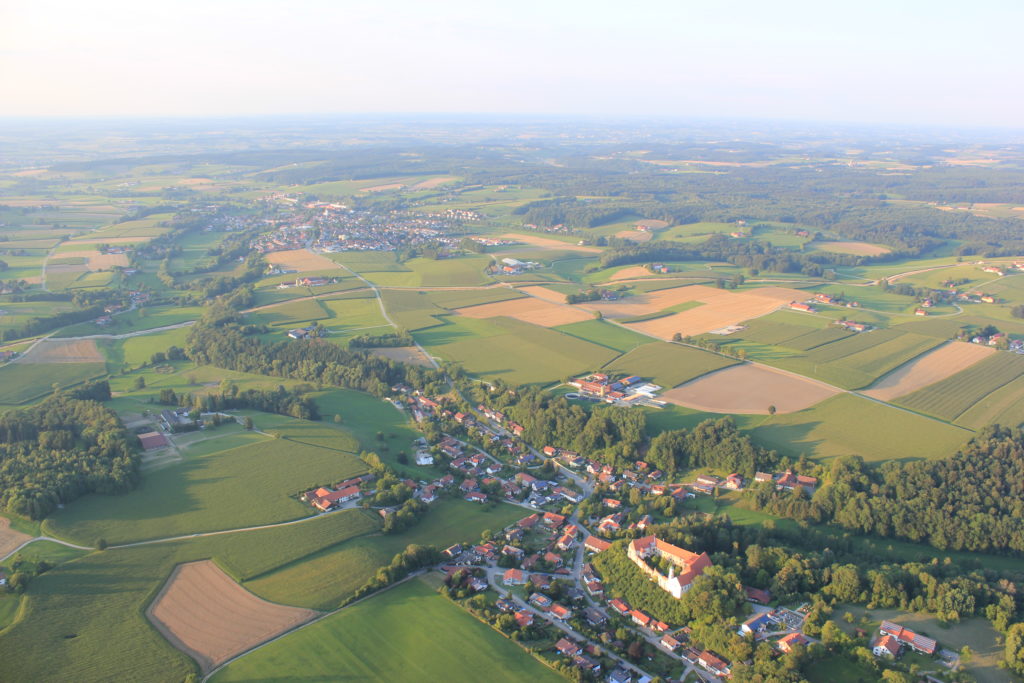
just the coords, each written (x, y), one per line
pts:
(23, 382)
(837, 427)
(409, 633)
(88, 615)
(245, 486)
(606, 334)
(668, 364)
(325, 578)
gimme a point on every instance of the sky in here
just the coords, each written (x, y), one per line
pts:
(910, 62)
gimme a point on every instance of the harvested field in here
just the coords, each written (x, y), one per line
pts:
(653, 223)
(9, 538)
(301, 260)
(722, 308)
(97, 261)
(856, 248)
(635, 235)
(431, 183)
(927, 369)
(403, 354)
(63, 351)
(630, 273)
(545, 293)
(549, 243)
(531, 310)
(112, 240)
(51, 270)
(205, 614)
(383, 188)
(749, 389)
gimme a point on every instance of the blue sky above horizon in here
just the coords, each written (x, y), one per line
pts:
(904, 62)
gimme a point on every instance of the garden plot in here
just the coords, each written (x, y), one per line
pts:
(529, 310)
(749, 389)
(205, 614)
(927, 369)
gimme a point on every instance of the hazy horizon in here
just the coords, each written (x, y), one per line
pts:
(920, 63)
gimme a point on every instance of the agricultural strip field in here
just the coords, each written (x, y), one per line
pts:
(22, 382)
(386, 638)
(529, 310)
(300, 260)
(465, 271)
(87, 615)
(209, 617)
(927, 369)
(514, 350)
(546, 293)
(606, 334)
(322, 580)
(836, 427)
(411, 310)
(856, 361)
(749, 389)
(1004, 406)
(668, 364)
(291, 313)
(460, 298)
(949, 398)
(245, 486)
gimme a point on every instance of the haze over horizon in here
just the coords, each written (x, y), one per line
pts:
(920, 63)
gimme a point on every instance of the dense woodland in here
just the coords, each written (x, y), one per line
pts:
(65, 447)
(972, 501)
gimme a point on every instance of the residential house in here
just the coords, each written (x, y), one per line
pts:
(568, 648)
(594, 616)
(514, 577)
(757, 595)
(669, 643)
(913, 640)
(640, 618)
(553, 521)
(619, 606)
(540, 601)
(595, 545)
(713, 663)
(476, 497)
(560, 612)
(787, 642)
(524, 618)
(759, 623)
(886, 646)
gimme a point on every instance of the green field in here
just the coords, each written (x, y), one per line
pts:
(138, 350)
(409, 633)
(22, 382)
(606, 334)
(87, 615)
(669, 364)
(837, 427)
(513, 350)
(1004, 406)
(459, 298)
(322, 580)
(412, 310)
(245, 486)
(955, 394)
(146, 318)
(465, 271)
(290, 314)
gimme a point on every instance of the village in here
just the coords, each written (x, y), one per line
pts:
(540, 567)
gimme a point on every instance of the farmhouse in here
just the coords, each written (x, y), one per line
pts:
(914, 641)
(325, 499)
(690, 565)
(886, 646)
(151, 440)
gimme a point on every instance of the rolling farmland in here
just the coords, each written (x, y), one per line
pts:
(952, 396)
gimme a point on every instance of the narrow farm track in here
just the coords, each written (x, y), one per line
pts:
(44, 538)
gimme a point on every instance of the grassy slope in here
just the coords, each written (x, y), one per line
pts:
(245, 486)
(837, 427)
(22, 382)
(408, 633)
(324, 579)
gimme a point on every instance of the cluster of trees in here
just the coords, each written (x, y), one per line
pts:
(972, 501)
(61, 449)
(570, 211)
(602, 432)
(404, 563)
(712, 443)
(293, 402)
(381, 340)
(406, 516)
(218, 339)
(592, 294)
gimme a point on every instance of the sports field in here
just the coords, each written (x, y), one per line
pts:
(927, 369)
(668, 364)
(322, 580)
(408, 633)
(244, 486)
(749, 389)
(209, 617)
